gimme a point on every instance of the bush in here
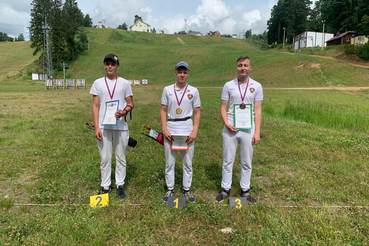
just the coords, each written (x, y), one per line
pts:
(349, 49)
(363, 52)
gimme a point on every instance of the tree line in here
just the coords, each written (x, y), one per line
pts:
(291, 17)
(5, 38)
(66, 22)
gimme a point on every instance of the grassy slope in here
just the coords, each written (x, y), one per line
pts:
(152, 56)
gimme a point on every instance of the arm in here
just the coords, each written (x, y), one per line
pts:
(256, 137)
(95, 116)
(223, 114)
(127, 109)
(163, 120)
(196, 123)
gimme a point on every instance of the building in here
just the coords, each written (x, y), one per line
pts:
(99, 24)
(311, 39)
(194, 33)
(344, 38)
(161, 32)
(234, 36)
(140, 26)
(213, 34)
(361, 40)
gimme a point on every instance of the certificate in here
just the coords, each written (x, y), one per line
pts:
(242, 118)
(179, 142)
(109, 116)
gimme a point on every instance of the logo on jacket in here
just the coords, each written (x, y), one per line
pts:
(252, 90)
(190, 96)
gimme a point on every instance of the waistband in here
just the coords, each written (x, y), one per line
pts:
(180, 119)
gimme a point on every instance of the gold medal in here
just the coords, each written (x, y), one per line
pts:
(179, 111)
(242, 106)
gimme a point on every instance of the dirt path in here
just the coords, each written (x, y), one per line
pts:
(344, 59)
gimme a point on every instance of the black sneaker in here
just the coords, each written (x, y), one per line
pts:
(223, 195)
(167, 195)
(188, 195)
(120, 192)
(248, 196)
(103, 191)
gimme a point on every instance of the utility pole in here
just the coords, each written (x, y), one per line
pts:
(48, 63)
(185, 25)
(64, 65)
(323, 35)
(284, 33)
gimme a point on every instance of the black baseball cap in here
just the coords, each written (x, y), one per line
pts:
(112, 57)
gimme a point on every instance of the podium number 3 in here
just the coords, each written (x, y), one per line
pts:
(98, 203)
(239, 205)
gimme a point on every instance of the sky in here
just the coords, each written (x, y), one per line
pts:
(226, 16)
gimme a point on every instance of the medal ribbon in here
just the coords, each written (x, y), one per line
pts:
(175, 93)
(106, 83)
(239, 88)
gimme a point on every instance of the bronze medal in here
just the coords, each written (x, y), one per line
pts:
(242, 106)
(179, 111)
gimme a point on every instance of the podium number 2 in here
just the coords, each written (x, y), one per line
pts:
(176, 202)
(98, 203)
(239, 205)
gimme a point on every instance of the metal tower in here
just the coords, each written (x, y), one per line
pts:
(48, 63)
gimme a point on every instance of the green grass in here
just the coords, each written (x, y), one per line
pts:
(309, 170)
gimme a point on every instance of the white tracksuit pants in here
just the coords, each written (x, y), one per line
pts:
(230, 142)
(170, 159)
(119, 139)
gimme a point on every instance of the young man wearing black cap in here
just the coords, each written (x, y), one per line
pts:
(179, 101)
(112, 100)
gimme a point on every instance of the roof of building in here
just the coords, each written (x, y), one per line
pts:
(343, 35)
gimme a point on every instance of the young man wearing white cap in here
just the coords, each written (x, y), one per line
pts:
(112, 100)
(179, 101)
(244, 96)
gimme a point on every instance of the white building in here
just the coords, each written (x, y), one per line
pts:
(140, 26)
(311, 39)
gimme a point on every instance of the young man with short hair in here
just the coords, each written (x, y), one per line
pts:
(241, 92)
(111, 92)
(179, 101)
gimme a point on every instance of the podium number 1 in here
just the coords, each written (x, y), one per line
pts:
(239, 205)
(176, 202)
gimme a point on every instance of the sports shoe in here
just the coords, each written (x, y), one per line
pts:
(223, 195)
(248, 196)
(167, 195)
(188, 195)
(120, 192)
(103, 191)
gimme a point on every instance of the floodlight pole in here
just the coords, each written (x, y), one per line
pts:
(323, 35)
(284, 32)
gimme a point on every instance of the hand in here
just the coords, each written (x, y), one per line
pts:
(231, 127)
(255, 139)
(191, 138)
(167, 135)
(119, 114)
(98, 134)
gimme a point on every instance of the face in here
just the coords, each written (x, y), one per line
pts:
(182, 75)
(111, 68)
(243, 68)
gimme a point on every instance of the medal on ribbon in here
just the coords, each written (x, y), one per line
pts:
(243, 105)
(179, 110)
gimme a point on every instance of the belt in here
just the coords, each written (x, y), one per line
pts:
(180, 119)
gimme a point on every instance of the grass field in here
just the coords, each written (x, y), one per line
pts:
(310, 170)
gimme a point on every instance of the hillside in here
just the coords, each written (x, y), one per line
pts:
(212, 61)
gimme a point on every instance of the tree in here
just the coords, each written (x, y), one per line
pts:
(153, 30)
(364, 25)
(20, 37)
(39, 15)
(4, 37)
(248, 34)
(137, 18)
(123, 26)
(87, 21)
(73, 22)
